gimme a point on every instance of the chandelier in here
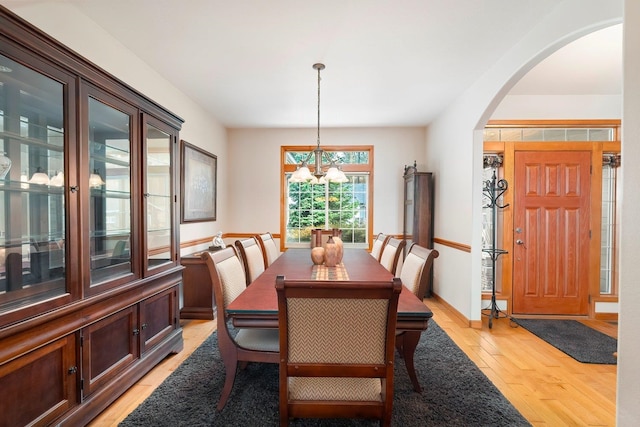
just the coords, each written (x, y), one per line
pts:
(333, 173)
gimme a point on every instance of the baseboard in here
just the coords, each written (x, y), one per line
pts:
(476, 324)
(607, 317)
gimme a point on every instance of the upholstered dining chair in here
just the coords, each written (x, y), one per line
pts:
(338, 365)
(252, 258)
(391, 254)
(270, 249)
(248, 345)
(415, 275)
(378, 245)
(416, 269)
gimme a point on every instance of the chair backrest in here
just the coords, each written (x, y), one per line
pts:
(252, 258)
(338, 365)
(378, 245)
(391, 253)
(416, 269)
(228, 280)
(269, 247)
(319, 236)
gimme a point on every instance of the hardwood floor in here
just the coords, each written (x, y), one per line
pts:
(548, 387)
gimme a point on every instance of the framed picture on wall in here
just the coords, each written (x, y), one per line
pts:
(198, 181)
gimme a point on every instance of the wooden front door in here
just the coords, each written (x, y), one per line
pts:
(551, 232)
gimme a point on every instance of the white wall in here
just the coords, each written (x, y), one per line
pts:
(454, 144)
(540, 107)
(66, 24)
(254, 156)
(628, 396)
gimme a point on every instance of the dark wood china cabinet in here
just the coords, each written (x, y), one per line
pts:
(418, 210)
(89, 247)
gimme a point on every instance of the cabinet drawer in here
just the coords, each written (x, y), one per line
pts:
(158, 317)
(39, 386)
(108, 347)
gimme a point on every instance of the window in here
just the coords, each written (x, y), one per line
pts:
(344, 206)
(608, 259)
(490, 168)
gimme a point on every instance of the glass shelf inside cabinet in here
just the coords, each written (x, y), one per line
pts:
(158, 197)
(32, 203)
(110, 189)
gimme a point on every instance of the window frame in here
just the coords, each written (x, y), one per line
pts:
(364, 169)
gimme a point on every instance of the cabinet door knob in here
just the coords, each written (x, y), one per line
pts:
(73, 188)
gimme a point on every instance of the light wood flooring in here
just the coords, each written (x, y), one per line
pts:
(548, 387)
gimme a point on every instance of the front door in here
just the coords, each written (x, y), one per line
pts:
(551, 232)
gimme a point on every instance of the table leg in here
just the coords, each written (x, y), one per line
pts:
(409, 343)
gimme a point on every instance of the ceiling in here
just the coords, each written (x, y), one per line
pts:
(388, 63)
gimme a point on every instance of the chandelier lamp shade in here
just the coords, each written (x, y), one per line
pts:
(322, 159)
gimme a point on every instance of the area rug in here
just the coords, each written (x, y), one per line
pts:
(455, 393)
(579, 341)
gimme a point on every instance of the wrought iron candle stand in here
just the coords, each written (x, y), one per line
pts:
(493, 189)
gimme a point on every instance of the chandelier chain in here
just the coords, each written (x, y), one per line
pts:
(318, 67)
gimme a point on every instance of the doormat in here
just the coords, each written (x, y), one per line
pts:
(579, 341)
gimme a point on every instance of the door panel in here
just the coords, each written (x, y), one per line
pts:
(551, 232)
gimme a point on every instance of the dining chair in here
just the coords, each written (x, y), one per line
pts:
(338, 365)
(378, 245)
(269, 248)
(247, 345)
(416, 269)
(252, 258)
(415, 275)
(391, 254)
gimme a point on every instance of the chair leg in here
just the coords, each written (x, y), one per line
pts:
(231, 365)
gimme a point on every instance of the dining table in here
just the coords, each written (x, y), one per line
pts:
(257, 305)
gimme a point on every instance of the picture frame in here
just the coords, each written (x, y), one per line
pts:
(198, 184)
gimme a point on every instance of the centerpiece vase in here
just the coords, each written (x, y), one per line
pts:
(317, 255)
(330, 253)
(338, 242)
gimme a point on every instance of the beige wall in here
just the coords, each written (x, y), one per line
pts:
(254, 183)
(628, 409)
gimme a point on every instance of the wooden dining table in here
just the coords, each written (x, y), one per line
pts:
(257, 305)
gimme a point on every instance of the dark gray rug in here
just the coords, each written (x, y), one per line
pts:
(455, 393)
(579, 341)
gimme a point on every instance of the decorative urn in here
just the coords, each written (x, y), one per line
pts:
(330, 253)
(317, 255)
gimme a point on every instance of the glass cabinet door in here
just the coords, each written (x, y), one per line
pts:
(33, 213)
(159, 195)
(110, 129)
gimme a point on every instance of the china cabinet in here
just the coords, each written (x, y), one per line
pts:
(418, 210)
(89, 247)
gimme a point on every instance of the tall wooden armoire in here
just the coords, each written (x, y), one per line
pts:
(418, 209)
